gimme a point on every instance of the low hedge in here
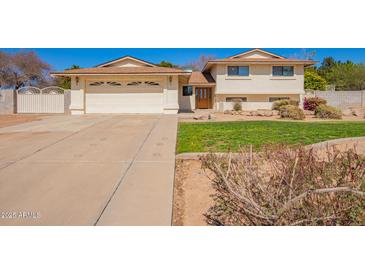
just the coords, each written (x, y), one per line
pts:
(291, 112)
(279, 103)
(327, 112)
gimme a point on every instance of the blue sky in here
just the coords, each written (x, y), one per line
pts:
(88, 57)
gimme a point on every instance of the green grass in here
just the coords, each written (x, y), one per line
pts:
(224, 136)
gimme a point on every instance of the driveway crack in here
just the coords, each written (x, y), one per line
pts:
(126, 171)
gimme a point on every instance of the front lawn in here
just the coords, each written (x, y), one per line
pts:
(224, 136)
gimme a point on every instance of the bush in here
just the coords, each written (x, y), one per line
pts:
(327, 112)
(313, 102)
(237, 106)
(287, 186)
(313, 81)
(279, 103)
(291, 112)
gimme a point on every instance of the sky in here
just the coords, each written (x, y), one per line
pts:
(61, 58)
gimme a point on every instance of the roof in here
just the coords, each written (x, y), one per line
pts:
(272, 59)
(124, 58)
(262, 60)
(120, 70)
(199, 78)
(256, 50)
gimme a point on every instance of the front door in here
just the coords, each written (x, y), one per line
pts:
(203, 97)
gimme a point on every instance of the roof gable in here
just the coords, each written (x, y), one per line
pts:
(126, 61)
(256, 53)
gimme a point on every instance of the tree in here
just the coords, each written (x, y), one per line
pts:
(167, 64)
(23, 68)
(304, 54)
(313, 81)
(343, 75)
(198, 65)
(65, 82)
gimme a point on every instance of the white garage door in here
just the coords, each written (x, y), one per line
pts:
(124, 97)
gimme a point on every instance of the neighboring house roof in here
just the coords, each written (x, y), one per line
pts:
(199, 78)
(120, 71)
(126, 58)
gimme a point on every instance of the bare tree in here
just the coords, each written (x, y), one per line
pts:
(304, 54)
(198, 64)
(23, 68)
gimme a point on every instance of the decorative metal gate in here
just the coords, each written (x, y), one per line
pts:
(35, 100)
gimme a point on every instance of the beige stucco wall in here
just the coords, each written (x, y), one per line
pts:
(260, 81)
(256, 97)
(186, 103)
(254, 101)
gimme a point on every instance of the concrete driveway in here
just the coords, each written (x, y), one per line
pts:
(88, 170)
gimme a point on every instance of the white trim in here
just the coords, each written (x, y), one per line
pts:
(119, 74)
(126, 58)
(257, 50)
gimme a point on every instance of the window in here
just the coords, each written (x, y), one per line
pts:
(236, 99)
(283, 71)
(114, 84)
(238, 71)
(187, 90)
(96, 84)
(137, 83)
(150, 83)
(273, 99)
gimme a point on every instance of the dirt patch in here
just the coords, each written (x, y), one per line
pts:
(193, 188)
(10, 120)
(191, 193)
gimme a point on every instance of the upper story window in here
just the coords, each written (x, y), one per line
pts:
(238, 71)
(283, 71)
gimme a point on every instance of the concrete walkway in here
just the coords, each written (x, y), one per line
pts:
(88, 170)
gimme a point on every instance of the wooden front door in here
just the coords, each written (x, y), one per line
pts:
(203, 97)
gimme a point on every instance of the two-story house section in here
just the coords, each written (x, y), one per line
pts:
(256, 78)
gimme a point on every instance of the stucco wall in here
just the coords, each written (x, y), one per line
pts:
(259, 81)
(254, 101)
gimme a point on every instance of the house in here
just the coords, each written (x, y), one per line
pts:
(254, 78)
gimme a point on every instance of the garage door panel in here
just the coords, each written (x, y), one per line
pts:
(150, 102)
(137, 96)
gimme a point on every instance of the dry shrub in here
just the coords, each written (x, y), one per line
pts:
(237, 106)
(291, 112)
(287, 186)
(327, 112)
(285, 102)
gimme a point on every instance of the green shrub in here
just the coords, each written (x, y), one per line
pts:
(327, 112)
(291, 112)
(313, 102)
(279, 103)
(237, 106)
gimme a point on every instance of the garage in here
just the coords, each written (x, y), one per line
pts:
(136, 96)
